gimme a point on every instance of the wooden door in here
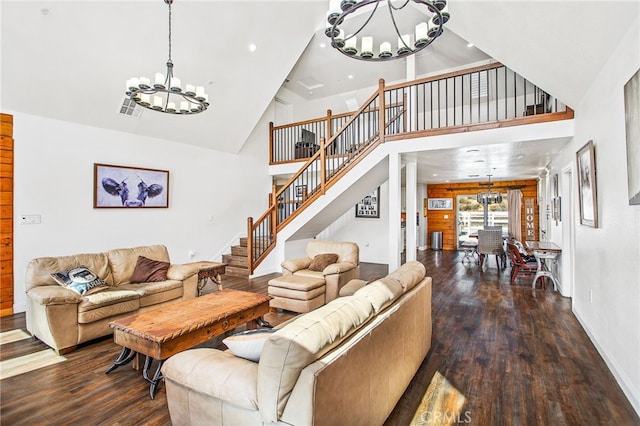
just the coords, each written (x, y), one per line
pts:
(6, 214)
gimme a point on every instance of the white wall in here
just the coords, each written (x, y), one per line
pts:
(371, 234)
(211, 193)
(607, 258)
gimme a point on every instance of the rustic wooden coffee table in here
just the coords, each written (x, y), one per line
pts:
(165, 331)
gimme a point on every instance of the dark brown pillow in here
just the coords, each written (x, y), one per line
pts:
(149, 271)
(321, 261)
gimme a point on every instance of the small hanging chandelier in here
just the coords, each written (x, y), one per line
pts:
(166, 93)
(489, 197)
(341, 12)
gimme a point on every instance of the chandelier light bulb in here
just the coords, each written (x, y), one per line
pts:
(341, 19)
(166, 91)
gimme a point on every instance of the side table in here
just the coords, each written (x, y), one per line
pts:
(212, 271)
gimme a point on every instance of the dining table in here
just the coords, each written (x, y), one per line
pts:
(546, 254)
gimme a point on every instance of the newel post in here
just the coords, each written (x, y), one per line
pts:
(271, 159)
(250, 245)
(381, 110)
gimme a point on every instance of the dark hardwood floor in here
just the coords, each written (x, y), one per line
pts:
(517, 355)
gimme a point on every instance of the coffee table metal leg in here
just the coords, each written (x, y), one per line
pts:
(157, 376)
(125, 357)
(262, 323)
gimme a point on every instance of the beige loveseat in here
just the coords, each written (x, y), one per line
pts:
(62, 318)
(345, 363)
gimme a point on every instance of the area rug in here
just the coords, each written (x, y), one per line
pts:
(22, 364)
(441, 404)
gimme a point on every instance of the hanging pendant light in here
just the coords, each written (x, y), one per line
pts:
(167, 94)
(489, 197)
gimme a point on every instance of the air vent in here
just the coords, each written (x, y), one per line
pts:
(130, 108)
(478, 85)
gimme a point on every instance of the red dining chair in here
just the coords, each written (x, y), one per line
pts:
(518, 264)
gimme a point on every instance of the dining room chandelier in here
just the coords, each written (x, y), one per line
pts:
(414, 27)
(489, 197)
(167, 94)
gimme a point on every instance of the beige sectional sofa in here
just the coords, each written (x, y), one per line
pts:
(347, 362)
(62, 318)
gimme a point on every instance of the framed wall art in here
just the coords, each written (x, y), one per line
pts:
(440, 204)
(127, 187)
(587, 196)
(632, 129)
(369, 206)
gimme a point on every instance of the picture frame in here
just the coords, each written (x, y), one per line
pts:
(129, 187)
(369, 206)
(587, 185)
(632, 131)
(440, 204)
(301, 191)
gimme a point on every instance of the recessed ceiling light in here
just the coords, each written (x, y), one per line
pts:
(473, 150)
(469, 44)
(474, 175)
(435, 174)
(323, 45)
(350, 76)
(479, 161)
(519, 157)
(252, 47)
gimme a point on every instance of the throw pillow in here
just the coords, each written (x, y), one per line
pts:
(149, 271)
(321, 261)
(248, 344)
(80, 279)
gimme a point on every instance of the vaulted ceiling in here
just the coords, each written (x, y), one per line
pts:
(69, 60)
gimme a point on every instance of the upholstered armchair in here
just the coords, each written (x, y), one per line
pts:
(335, 270)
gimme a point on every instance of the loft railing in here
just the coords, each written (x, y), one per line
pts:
(473, 99)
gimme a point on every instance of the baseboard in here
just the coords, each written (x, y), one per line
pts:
(621, 378)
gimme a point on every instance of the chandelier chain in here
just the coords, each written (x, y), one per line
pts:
(170, 31)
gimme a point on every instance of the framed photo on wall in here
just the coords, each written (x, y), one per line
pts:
(440, 203)
(632, 130)
(587, 196)
(369, 206)
(127, 187)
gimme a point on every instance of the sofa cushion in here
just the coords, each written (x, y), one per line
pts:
(39, 270)
(107, 303)
(409, 274)
(321, 261)
(149, 270)
(248, 344)
(301, 342)
(81, 280)
(123, 261)
(378, 294)
(154, 293)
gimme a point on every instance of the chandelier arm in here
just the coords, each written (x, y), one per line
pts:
(363, 25)
(393, 19)
(399, 8)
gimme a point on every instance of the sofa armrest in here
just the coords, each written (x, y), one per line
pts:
(215, 373)
(338, 268)
(293, 265)
(183, 271)
(53, 295)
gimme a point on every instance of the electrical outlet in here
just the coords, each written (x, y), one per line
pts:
(30, 219)
(192, 254)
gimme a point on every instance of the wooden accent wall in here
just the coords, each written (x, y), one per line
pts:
(436, 220)
(6, 214)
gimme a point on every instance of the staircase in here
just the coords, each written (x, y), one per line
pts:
(237, 262)
(392, 113)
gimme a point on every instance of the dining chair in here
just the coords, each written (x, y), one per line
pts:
(490, 243)
(518, 264)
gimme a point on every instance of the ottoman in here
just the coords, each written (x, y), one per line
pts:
(296, 293)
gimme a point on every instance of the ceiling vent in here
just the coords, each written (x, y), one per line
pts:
(130, 108)
(310, 83)
(351, 103)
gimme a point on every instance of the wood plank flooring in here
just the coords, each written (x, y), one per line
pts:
(517, 355)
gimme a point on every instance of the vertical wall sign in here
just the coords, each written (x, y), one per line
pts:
(529, 219)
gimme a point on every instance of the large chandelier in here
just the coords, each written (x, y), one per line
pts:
(418, 28)
(166, 94)
(489, 197)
